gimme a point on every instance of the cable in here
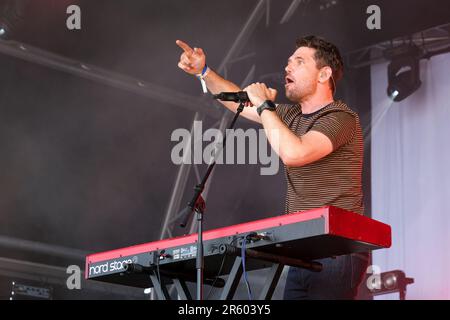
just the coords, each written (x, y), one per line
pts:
(158, 275)
(220, 270)
(249, 291)
(215, 279)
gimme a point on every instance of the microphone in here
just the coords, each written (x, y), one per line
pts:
(240, 96)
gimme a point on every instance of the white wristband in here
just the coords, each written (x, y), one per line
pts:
(201, 76)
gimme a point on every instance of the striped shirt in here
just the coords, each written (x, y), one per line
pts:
(335, 179)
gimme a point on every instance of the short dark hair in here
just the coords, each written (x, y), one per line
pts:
(327, 54)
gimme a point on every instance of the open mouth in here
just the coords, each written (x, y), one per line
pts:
(288, 81)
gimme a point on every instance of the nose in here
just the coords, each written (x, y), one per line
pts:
(287, 68)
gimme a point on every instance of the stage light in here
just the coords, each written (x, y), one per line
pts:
(394, 94)
(11, 17)
(403, 71)
(389, 282)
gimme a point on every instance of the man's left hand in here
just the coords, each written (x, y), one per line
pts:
(258, 93)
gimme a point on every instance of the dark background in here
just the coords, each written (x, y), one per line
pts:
(87, 166)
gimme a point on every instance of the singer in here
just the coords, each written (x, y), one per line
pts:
(320, 143)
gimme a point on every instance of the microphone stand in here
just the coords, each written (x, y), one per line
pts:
(197, 205)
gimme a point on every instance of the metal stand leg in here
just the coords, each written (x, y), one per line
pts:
(182, 289)
(274, 274)
(271, 281)
(161, 290)
(233, 280)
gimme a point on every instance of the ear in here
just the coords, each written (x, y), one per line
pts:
(325, 74)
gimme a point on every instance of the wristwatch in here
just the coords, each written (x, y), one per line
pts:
(267, 105)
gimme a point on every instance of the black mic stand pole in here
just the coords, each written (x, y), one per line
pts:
(197, 204)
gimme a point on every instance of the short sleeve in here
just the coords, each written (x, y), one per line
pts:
(338, 126)
(281, 111)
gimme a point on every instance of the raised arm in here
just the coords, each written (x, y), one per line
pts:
(193, 60)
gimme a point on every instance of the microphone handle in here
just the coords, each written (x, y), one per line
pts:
(240, 96)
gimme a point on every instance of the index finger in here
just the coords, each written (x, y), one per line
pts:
(184, 46)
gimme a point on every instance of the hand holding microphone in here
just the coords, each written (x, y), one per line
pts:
(253, 95)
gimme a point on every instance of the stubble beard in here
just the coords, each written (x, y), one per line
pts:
(297, 95)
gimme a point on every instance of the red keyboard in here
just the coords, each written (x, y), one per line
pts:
(307, 235)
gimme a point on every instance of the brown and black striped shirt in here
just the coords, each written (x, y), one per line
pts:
(335, 179)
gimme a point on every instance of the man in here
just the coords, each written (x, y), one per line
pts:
(320, 143)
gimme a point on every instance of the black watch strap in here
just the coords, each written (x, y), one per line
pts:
(268, 104)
